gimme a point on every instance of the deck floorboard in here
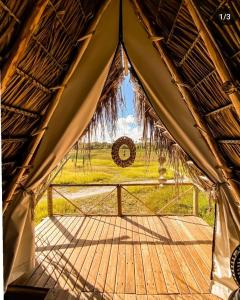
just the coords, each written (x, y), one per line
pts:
(133, 257)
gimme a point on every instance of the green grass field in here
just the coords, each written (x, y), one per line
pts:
(103, 170)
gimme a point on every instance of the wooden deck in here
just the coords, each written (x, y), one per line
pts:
(133, 257)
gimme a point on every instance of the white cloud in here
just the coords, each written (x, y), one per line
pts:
(127, 126)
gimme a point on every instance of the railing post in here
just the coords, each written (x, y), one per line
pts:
(195, 200)
(119, 199)
(50, 201)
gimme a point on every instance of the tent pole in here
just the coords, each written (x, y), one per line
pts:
(215, 55)
(17, 179)
(226, 171)
(21, 44)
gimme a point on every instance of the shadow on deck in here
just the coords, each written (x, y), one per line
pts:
(133, 257)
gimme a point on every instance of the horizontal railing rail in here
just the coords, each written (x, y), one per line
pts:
(122, 184)
(122, 187)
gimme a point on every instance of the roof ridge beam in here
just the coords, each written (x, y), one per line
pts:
(214, 53)
(28, 28)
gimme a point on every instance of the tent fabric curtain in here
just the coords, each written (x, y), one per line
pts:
(174, 113)
(18, 238)
(72, 115)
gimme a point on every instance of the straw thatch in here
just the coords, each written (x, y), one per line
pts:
(50, 45)
(40, 69)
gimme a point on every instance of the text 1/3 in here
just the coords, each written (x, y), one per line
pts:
(224, 17)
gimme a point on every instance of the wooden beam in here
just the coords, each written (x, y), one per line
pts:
(119, 200)
(28, 28)
(21, 111)
(14, 139)
(214, 53)
(17, 179)
(229, 141)
(218, 110)
(226, 171)
(195, 201)
(50, 200)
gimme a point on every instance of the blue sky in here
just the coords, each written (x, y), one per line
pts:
(127, 123)
(128, 95)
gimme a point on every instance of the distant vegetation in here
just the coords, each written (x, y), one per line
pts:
(101, 169)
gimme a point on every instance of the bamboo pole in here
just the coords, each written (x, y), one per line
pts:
(28, 28)
(214, 54)
(86, 40)
(227, 172)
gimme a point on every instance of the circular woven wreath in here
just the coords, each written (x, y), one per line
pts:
(126, 141)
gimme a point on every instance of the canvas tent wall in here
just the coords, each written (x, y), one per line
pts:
(72, 113)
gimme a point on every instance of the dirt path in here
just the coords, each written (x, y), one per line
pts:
(83, 192)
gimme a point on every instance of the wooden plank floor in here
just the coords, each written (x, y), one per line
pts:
(134, 257)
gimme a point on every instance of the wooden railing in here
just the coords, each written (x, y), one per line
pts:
(119, 188)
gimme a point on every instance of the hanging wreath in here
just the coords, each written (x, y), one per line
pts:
(125, 143)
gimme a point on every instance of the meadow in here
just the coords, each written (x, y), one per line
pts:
(101, 169)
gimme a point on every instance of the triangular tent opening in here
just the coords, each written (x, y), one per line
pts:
(176, 97)
(154, 131)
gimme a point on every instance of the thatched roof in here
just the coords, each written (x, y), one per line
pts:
(40, 42)
(40, 70)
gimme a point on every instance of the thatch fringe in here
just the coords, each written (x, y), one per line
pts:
(111, 100)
